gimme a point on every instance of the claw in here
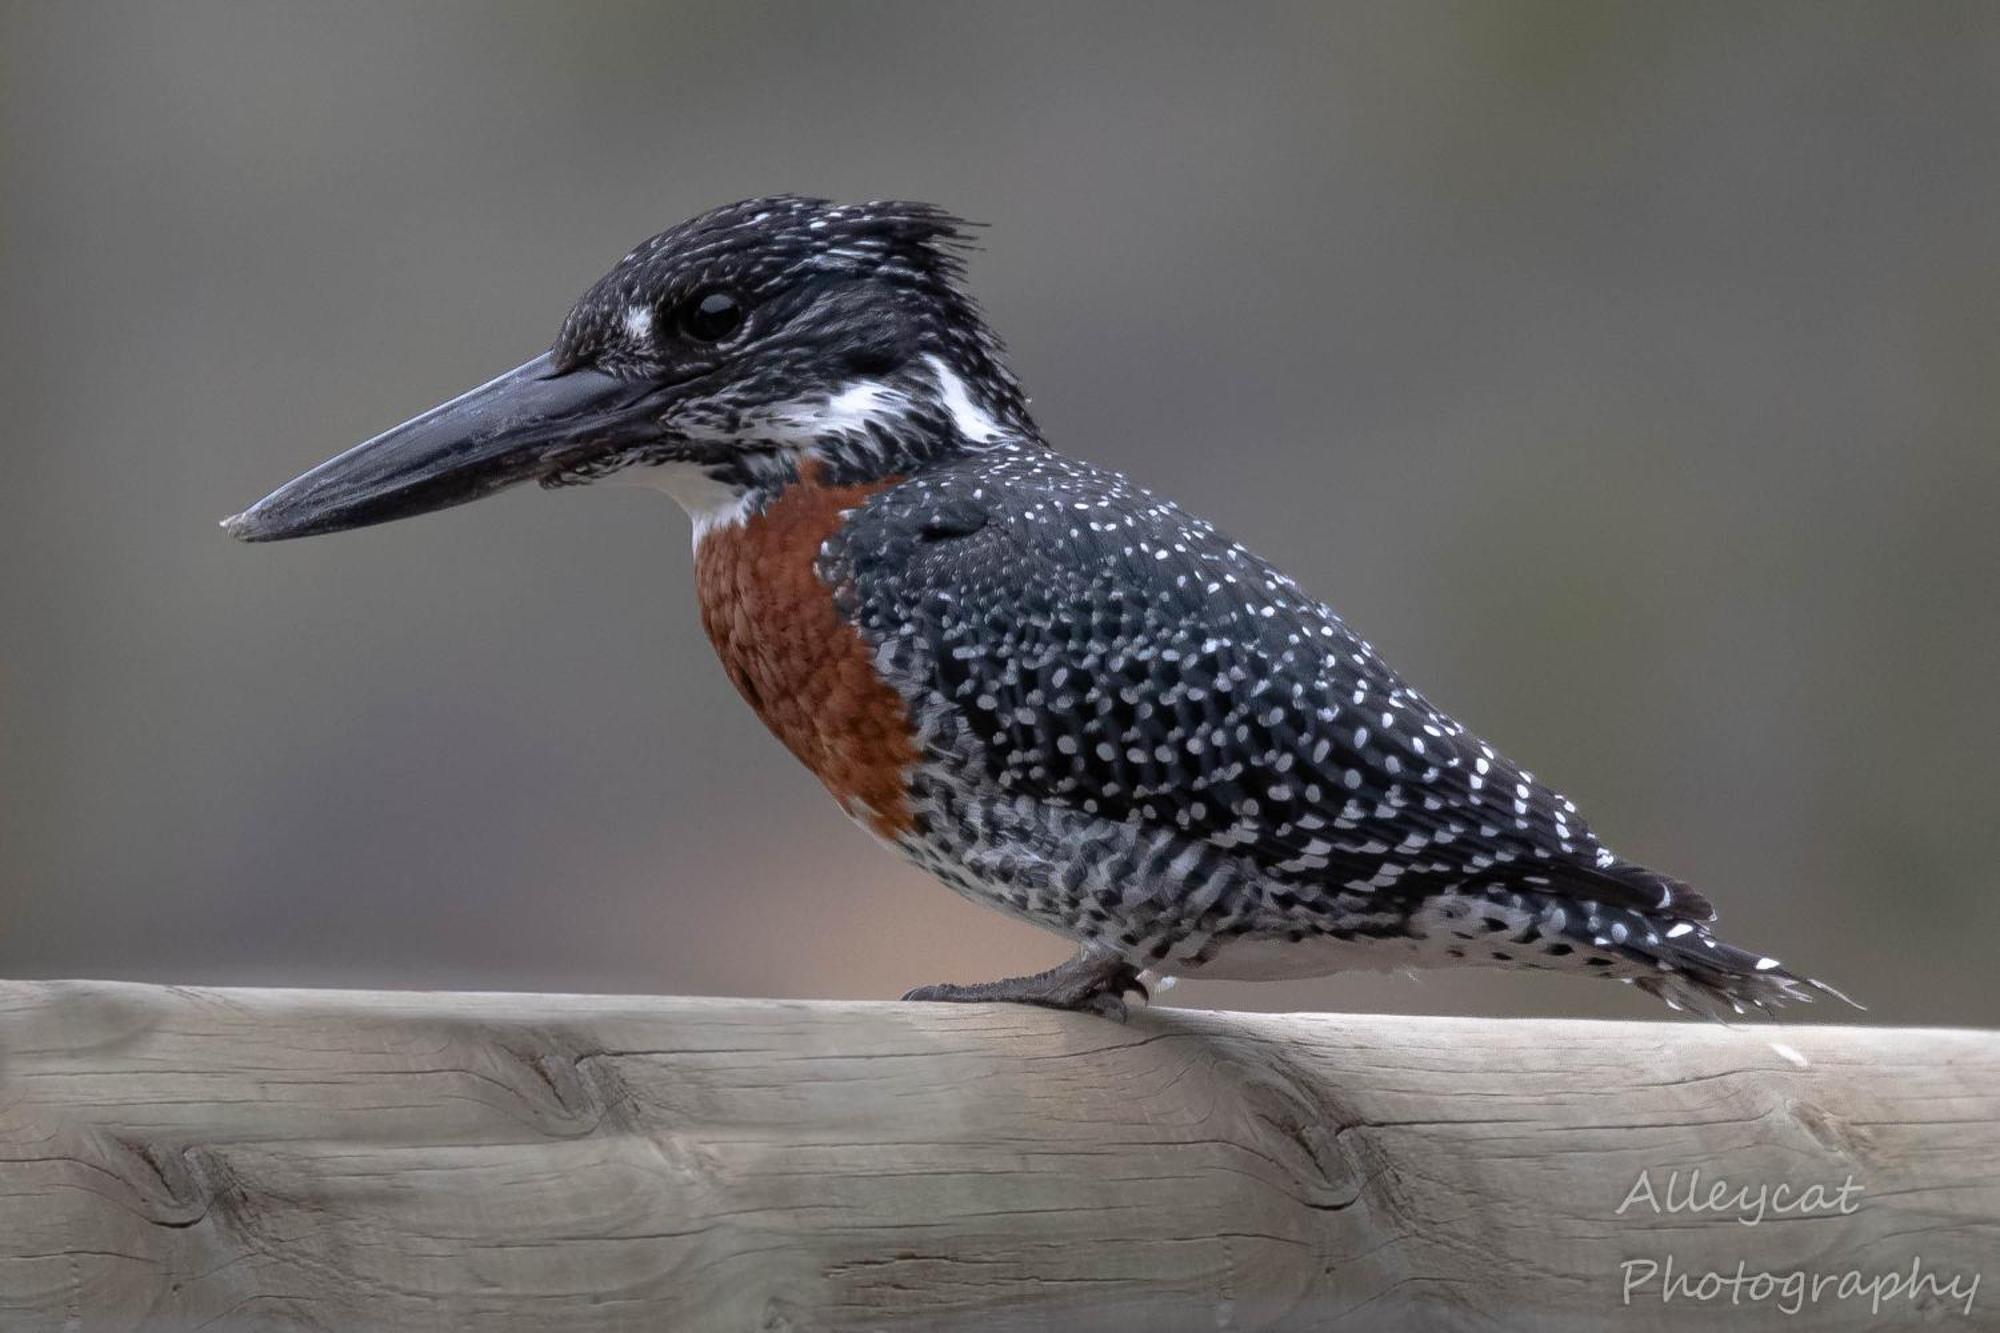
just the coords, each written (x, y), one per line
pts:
(1106, 1005)
(1093, 982)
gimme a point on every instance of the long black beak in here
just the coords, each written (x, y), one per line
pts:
(528, 423)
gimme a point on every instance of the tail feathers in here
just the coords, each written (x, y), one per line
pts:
(1695, 971)
(1678, 960)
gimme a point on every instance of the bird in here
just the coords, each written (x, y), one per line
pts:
(1064, 697)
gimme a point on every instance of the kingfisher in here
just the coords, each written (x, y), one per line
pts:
(1061, 695)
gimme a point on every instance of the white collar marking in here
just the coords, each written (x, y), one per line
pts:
(713, 506)
(974, 422)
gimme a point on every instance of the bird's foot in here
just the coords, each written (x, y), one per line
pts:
(1093, 982)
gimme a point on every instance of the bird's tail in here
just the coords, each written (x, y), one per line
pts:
(1691, 969)
(1678, 960)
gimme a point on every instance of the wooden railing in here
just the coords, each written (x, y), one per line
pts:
(180, 1158)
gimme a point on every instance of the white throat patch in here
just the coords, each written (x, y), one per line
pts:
(708, 503)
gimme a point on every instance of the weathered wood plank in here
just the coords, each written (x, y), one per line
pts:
(181, 1158)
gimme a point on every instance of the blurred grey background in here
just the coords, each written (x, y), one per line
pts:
(1629, 374)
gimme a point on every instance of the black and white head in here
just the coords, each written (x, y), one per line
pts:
(713, 362)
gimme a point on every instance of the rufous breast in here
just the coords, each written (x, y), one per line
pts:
(802, 667)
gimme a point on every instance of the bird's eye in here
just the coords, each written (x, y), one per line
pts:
(711, 316)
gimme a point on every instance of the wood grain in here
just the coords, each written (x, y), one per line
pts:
(180, 1158)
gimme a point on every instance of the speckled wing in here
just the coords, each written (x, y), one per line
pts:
(1067, 637)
